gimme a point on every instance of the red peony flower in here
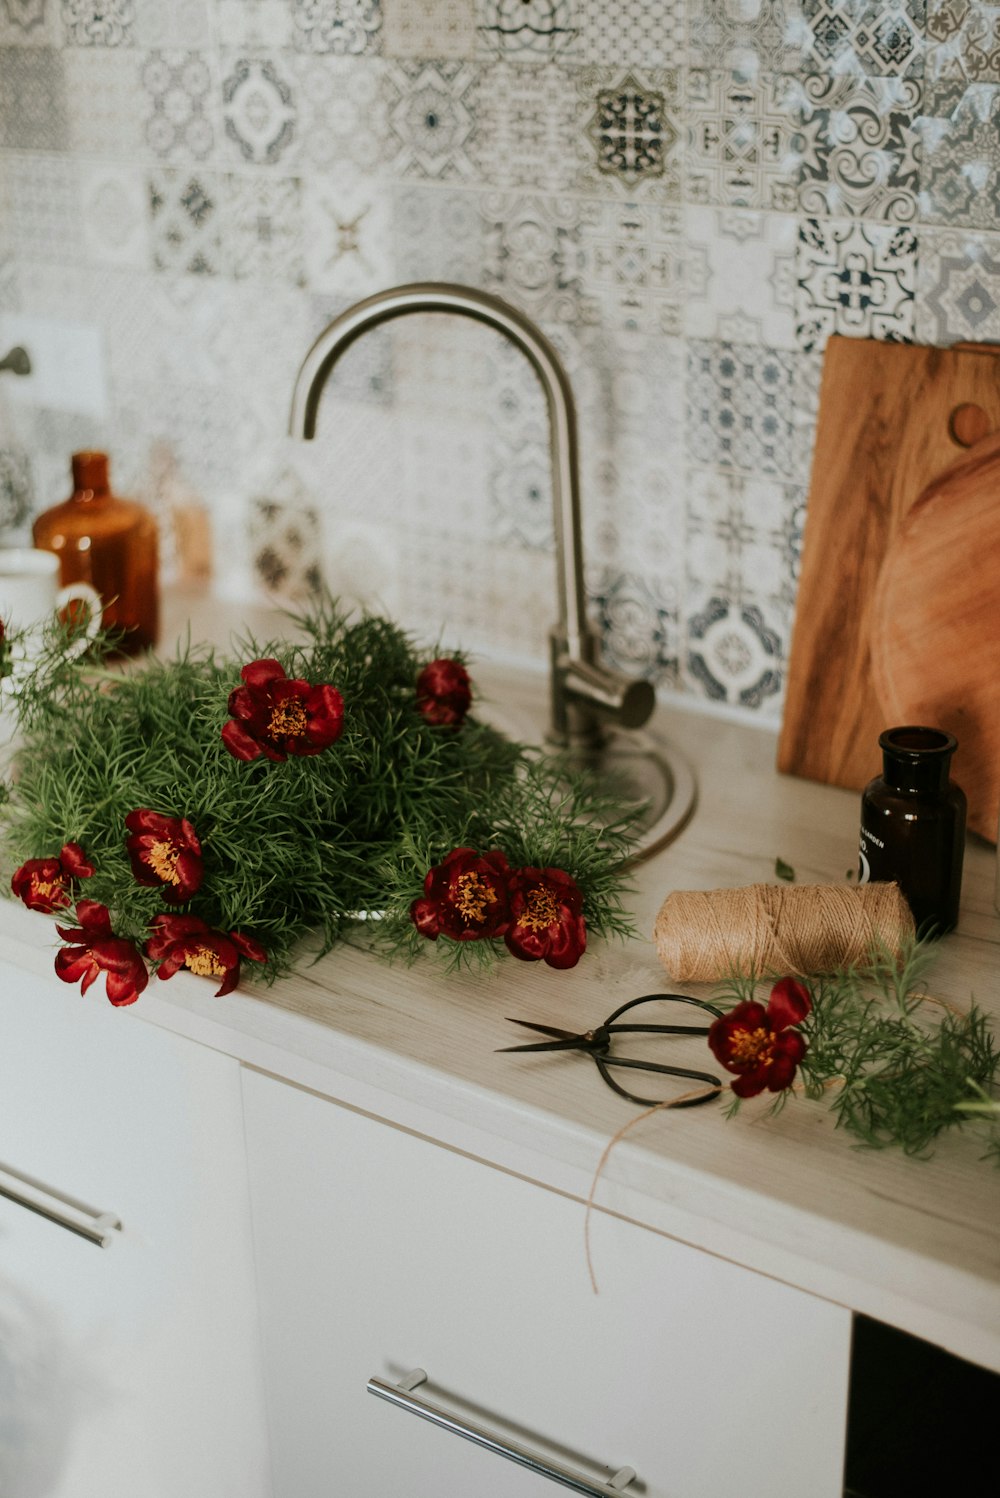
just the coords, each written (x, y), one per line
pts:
(760, 1044)
(465, 897)
(444, 693)
(186, 941)
(547, 924)
(277, 715)
(94, 949)
(44, 883)
(165, 853)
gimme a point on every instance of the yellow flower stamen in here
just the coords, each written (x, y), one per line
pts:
(750, 1047)
(162, 858)
(205, 963)
(48, 889)
(473, 898)
(288, 719)
(542, 911)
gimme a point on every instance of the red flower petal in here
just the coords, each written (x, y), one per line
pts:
(261, 673)
(788, 1005)
(75, 862)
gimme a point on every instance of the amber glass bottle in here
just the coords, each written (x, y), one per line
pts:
(913, 825)
(110, 543)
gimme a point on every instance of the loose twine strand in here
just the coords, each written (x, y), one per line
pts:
(703, 936)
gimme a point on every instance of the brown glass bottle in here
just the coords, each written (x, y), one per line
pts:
(913, 825)
(110, 543)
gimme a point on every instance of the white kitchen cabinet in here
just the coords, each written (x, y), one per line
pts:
(132, 1369)
(379, 1252)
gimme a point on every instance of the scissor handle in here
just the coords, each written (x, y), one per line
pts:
(711, 1082)
(680, 998)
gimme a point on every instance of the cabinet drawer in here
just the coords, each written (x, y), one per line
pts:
(379, 1253)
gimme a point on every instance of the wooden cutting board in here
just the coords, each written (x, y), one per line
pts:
(883, 435)
(935, 643)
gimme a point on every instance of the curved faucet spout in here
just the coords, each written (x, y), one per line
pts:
(581, 688)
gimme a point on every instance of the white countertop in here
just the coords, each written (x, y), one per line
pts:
(914, 1243)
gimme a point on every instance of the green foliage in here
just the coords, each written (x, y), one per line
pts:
(297, 850)
(896, 1066)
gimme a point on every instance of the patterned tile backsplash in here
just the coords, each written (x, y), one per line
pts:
(688, 196)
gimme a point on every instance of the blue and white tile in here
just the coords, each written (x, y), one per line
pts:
(636, 33)
(179, 25)
(347, 235)
(873, 37)
(741, 402)
(743, 538)
(733, 656)
(342, 113)
(34, 113)
(861, 147)
(341, 28)
(858, 279)
(432, 109)
(181, 120)
(259, 110)
(963, 40)
(630, 120)
(42, 194)
(632, 265)
(430, 28)
(525, 30)
(17, 487)
(743, 145)
(438, 234)
(30, 23)
(106, 103)
(285, 538)
(958, 287)
(263, 25)
(263, 235)
(960, 174)
(528, 131)
(751, 36)
(532, 253)
(740, 281)
(637, 618)
(114, 215)
(187, 209)
(99, 23)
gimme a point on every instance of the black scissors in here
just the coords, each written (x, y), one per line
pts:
(597, 1043)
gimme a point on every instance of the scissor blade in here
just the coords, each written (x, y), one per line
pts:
(552, 1030)
(571, 1043)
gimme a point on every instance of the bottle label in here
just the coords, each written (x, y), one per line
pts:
(868, 845)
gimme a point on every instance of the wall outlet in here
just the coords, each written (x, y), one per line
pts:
(68, 368)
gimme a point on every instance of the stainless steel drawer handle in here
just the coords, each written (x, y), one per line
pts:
(402, 1394)
(68, 1211)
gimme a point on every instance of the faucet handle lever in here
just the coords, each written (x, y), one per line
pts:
(628, 700)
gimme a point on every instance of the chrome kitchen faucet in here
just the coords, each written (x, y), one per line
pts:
(582, 691)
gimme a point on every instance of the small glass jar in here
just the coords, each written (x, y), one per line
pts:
(913, 825)
(110, 543)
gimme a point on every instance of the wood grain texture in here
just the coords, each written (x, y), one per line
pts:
(935, 642)
(883, 435)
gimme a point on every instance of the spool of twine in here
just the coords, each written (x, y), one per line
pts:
(771, 930)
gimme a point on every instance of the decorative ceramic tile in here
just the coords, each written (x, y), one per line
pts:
(187, 214)
(960, 180)
(182, 24)
(646, 33)
(432, 115)
(246, 24)
(743, 148)
(33, 114)
(438, 234)
(733, 656)
(632, 265)
(861, 147)
(740, 276)
(42, 194)
(99, 23)
(447, 473)
(343, 116)
(524, 29)
(858, 279)
(750, 36)
(348, 234)
(17, 493)
(429, 28)
(637, 618)
(528, 131)
(179, 86)
(263, 229)
(958, 287)
(532, 253)
(258, 109)
(743, 538)
(106, 102)
(211, 430)
(285, 543)
(114, 215)
(343, 27)
(30, 23)
(741, 405)
(631, 123)
(963, 40)
(874, 37)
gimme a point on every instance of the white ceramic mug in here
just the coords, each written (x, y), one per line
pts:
(30, 595)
